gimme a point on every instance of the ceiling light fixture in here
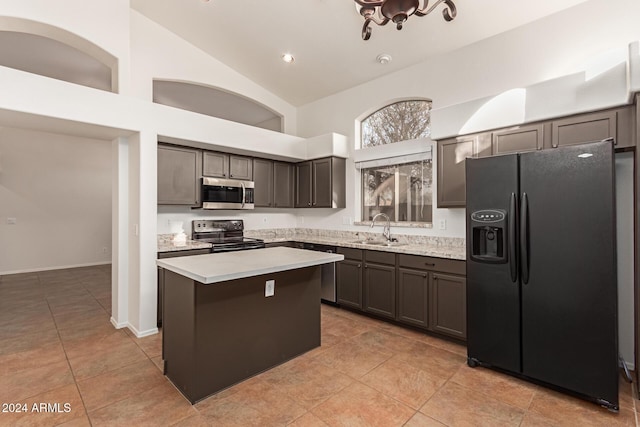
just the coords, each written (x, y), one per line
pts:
(288, 58)
(397, 11)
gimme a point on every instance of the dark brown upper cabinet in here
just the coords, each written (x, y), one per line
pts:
(283, 184)
(221, 165)
(179, 171)
(263, 187)
(519, 139)
(320, 183)
(618, 123)
(584, 128)
(274, 182)
(451, 166)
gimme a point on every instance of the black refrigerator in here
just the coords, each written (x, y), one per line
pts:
(541, 268)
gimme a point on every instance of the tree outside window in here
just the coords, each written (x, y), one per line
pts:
(401, 121)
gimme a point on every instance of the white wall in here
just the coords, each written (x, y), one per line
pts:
(624, 219)
(158, 53)
(566, 63)
(58, 189)
(40, 103)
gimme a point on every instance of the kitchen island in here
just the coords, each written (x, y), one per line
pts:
(229, 316)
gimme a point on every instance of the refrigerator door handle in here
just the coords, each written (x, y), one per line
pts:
(513, 257)
(524, 238)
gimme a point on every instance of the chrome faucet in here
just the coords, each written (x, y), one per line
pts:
(386, 232)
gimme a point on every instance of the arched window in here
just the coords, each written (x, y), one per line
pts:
(398, 181)
(400, 121)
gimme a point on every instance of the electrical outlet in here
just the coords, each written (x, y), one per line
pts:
(442, 224)
(264, 219)
(104, 249)
(269, 288)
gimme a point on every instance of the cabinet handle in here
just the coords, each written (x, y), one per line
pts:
(230, 175)
(309, 203)
(424, 275)
(430, 264)
(359, 265)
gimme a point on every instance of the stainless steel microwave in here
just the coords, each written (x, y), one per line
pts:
(220, 193)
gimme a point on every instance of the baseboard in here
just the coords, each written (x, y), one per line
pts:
(137, 333)
(118, 325)
(62, 267)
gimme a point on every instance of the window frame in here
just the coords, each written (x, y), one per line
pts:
(421, 146)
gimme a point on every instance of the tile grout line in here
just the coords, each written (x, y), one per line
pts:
(73, 375)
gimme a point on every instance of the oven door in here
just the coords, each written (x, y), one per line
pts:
(226, 194)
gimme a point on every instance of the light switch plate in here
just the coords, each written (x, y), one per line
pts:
(269, 288)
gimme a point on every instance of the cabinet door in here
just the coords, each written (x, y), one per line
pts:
(240, 168)
(263, 189)
(322, 183)
(178, 176)
(303, 185)
(215, 165)
(380, 290)
(448, 308)
(413, 297)
(283, 184)
(584, 128)
(349, 283)
(451, 172)
(517, 140)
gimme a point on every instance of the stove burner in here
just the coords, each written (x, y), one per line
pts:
(224, 235)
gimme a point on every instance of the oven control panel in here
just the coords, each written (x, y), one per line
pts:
(217, 225)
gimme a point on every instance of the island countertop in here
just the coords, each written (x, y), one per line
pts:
(220, 267)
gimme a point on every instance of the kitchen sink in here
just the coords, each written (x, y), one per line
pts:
(378, 243)
(388, 244)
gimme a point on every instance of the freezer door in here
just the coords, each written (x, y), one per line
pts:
(569, 326)
(493, 299)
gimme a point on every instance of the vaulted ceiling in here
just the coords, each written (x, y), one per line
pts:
(325, 37)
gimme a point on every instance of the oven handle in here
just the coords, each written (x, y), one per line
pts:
(243, 194)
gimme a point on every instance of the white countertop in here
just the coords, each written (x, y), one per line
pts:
(220, 267)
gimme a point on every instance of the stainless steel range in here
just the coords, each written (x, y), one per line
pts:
(225, 235)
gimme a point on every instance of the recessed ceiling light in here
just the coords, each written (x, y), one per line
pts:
(288, 58)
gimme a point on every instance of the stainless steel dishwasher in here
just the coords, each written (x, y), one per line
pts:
(328, 273)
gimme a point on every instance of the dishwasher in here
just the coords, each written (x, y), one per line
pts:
(328, 273)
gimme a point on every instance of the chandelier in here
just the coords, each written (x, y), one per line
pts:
(397, 11)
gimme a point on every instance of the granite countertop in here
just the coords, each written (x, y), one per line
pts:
(220, 267)
(422, 249)
(166, 244)
(439, 247)
(434, 246)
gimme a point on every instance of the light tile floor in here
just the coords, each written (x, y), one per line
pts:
(57, 346)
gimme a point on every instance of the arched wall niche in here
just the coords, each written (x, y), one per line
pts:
(215, 102)
(51, 51)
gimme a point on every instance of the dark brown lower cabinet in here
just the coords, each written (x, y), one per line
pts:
(413, 297)
(420, 291)
(349, 283)
(448, 314)
(380, 289)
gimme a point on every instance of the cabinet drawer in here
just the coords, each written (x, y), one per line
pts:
(435, 264)
(350, 253)
(380, 257)
(186, 252)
